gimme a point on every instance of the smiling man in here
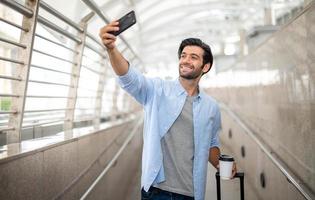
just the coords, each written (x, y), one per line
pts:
(181, 125)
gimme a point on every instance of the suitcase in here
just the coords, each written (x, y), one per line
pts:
(239, 175)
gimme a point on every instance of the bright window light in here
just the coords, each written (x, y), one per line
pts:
(229, 49)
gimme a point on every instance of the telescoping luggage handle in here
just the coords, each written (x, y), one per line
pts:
(239, 175)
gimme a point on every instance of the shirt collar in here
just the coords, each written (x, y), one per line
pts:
(179, 90)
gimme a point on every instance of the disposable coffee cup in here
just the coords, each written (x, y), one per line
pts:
(226, 165)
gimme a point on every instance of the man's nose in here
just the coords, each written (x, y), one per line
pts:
(186, 60)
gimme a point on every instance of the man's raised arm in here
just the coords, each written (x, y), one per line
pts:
(118, 62)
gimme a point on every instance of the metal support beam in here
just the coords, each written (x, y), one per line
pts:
(114, 106)
(20, 87)
(76, 69)
(242, 43)
(127, 104)
(268, 17)
(99, 94)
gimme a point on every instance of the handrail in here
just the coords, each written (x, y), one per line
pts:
(92, 108)
(92, 70)
(18, 7)
(59, 15)
(8, 112)
(92, 60)
(89, 35)
(53, 70)
(47, 97)
(14, 24)
(43, 123)
(12, 42)
(47, 110)
(51, 25)
(50, 83)
(9, 95)
(111, 163)
(95, 50)
(296, 182)
(53, 56)
(56, 43)
(10, 78)
(11, 60)
(6, 129)
(93, 6)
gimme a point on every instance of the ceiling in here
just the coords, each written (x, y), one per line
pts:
(163, 24)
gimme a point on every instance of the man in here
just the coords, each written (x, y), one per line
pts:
(181, 123)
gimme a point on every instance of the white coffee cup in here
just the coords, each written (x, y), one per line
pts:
(226, 165)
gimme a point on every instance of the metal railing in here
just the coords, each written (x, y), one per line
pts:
(55, 57)
(58, 29)
(24, 54)
(19, 8)
(82, 40)
(14, 24)
(59, 15)
(56, 43)
(53, 70)
(13, 43)
(12, 60)
(294, 180)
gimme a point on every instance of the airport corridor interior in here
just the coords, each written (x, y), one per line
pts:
(69, 131)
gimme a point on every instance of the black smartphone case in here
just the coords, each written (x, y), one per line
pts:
(125, 22)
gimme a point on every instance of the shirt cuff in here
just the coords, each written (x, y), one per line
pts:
(128, 77)
(215, 142)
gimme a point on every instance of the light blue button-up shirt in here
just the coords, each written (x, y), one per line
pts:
(163, 102)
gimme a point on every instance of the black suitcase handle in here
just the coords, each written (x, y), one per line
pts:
(239, 175)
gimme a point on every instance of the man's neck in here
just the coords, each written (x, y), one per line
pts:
(190, 85)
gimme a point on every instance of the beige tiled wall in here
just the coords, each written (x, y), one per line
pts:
(61, 170)
(282, 110)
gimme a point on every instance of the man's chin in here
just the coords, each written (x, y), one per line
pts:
(188, 76)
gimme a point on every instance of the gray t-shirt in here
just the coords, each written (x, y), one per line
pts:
(178, 153)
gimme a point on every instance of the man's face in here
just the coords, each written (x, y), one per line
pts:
(191, 62)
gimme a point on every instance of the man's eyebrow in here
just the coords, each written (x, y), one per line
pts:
(193, 54)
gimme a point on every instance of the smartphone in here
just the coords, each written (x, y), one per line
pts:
(125, 22)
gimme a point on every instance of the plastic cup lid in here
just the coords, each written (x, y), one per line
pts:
(226, 158)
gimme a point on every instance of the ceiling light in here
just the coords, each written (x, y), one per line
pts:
(232, 39)
(229, 49)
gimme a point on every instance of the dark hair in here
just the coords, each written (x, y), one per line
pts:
(207, 55)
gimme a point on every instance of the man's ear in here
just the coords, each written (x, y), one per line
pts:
(206, 68)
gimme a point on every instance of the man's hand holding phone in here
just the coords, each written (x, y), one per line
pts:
(107, 36)
(108, 32)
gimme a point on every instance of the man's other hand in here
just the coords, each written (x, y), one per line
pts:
(234, 169)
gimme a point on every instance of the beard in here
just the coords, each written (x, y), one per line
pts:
(194, 74)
